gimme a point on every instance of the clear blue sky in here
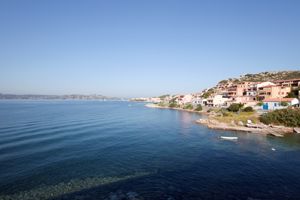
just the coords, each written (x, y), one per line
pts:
(143, 47)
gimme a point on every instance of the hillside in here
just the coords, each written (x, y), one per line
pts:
(265, 76)
(259, 77)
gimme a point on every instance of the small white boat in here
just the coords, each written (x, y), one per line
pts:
(229, 138)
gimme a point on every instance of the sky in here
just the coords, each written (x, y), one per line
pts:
(134, 48)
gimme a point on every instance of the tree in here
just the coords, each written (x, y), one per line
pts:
(248, 109)
(173, 105)
(235, 107)
(188, 107)
(199, 108)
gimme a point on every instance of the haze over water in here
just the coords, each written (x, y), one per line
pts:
(114, 150)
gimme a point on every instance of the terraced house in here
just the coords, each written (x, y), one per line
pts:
(250, 93)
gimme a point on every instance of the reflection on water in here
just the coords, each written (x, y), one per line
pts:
(75, 185)
(186, 119)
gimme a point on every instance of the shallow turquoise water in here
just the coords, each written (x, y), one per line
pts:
(124, 150)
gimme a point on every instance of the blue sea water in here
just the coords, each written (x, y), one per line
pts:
(124, 150)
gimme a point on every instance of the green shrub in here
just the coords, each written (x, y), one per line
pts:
(248, 109)
(162, 104)
(199, 108)
(224, 112)
(287, 117)
(235, 107)
(188, 107)
(173, 105)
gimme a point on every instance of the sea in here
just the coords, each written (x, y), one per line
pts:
(113, 150)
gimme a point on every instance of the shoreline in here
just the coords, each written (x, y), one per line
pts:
(149, 105)
(277, 131)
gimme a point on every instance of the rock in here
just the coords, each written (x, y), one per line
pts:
(273, 132)
(276, 126)
(249, 121)
(202, 121)
(255, 126)
(240, 123)
(232, 123)
(297, 130)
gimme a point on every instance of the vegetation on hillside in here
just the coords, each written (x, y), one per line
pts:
(208, 93)
(264, 76)
(259, 77)
(271, 76)
(287, 117)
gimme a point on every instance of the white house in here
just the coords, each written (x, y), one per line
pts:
(217, 101)
(155, 100)
(276, 103)
(197, 99)
(264, 84)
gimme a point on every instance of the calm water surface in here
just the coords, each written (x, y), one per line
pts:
(123, 150)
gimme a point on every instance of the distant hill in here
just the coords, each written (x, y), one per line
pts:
(53, 97)
(265, 76)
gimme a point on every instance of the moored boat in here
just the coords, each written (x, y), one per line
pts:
(229, 138)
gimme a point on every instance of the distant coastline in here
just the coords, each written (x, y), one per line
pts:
(57, 97)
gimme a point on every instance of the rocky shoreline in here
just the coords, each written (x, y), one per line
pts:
(277, 131)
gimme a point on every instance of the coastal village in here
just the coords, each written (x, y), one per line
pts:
(256, 93)
(261, 95)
